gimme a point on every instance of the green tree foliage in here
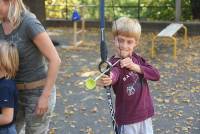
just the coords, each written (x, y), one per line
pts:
(147, 9)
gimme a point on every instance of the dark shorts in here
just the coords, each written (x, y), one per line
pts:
(8, 130)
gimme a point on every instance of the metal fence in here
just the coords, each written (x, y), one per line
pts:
(91, 12)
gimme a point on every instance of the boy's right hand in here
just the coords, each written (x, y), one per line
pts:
(105, 80)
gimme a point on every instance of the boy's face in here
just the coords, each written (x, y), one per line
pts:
(4, 6)
(124, 45)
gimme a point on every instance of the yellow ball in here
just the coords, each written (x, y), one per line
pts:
(90, 84)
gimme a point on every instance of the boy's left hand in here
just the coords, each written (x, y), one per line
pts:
(129, 64)
(105, 80)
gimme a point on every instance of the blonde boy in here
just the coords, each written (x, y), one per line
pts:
(9, 62)
(134, 107)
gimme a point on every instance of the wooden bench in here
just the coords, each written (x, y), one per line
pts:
(169, 32)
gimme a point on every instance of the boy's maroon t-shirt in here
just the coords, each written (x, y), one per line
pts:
(133, 100)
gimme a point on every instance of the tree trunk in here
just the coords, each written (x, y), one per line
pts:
(195, 4)
(38, 8)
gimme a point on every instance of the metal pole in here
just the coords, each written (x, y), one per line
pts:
(66, 10)
(138, 9)
(178, 10)
(104, 53)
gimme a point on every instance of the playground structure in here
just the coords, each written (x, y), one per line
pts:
(169, 32)
(75, 18)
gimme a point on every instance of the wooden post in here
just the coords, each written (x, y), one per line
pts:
(83, 22)
(75, 32)
(178, 10)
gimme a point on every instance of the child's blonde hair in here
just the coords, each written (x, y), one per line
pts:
(16, 7)
(127, 27)
(9, 59)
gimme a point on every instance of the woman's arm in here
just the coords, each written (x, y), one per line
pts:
(44, 44)
(6, 116)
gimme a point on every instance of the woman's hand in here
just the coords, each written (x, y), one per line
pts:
(105, 80)
(42, 106)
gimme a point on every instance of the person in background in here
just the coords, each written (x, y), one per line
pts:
(35, 80)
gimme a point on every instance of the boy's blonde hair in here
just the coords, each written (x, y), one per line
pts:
(16, 8)
(9, 59)
(127, 27)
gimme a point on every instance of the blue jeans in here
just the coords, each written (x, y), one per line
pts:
(8, 130)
